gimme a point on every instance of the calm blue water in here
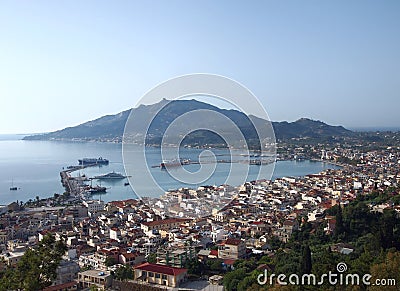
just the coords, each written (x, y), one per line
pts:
(34, 167)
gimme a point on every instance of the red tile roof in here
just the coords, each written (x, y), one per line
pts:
(232, 241)
(161, 269)
(61, 286)
(229, 262)
(257, 222)
(164, 221)
(129, 255)
(214, 253)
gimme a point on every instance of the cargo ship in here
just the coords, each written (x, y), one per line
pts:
(93, 161)
(174, 163)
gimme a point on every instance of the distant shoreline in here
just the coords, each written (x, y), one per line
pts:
(313, 160)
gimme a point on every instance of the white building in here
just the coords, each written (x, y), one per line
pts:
(94, 206)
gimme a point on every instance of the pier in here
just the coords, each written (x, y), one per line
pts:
(72, 185)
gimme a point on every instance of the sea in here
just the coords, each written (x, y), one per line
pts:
(34, 168)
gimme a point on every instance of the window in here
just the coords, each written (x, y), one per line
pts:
(157, 276)
(151, 274)
(164, 277)
(144, 273)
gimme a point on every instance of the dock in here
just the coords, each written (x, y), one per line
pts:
(72, 185)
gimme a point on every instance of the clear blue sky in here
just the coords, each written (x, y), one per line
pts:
(66, 62)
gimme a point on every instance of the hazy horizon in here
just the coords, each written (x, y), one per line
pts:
(65, 63)
(220, 105)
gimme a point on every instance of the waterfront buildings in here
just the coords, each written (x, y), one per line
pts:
(105, 236)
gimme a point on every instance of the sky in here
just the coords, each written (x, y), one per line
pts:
(66, 62)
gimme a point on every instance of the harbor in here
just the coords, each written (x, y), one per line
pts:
(71, 184)
(36, 171)
(77, 187)
(184, 162)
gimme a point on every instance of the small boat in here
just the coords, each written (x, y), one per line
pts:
(126, 184)
(255, 162)
(13, 188)
(110, 176)
(96, 189)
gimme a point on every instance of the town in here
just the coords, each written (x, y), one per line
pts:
(135, 244)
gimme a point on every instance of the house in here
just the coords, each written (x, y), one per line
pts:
(115, 234)
(232, 249)
(163, 224)
(175, 257)
(342, 248)
(202, 255)
(12, 258)
(258, 228)
(94, 206)
(285, 232)
(71, 286)
(218, 234)
(3, 237)
(160, 274)
(331, 225)
(96, 278)
(67, 271)
(129, 258)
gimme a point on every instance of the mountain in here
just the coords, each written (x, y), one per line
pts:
(305, 127)
(111, 127)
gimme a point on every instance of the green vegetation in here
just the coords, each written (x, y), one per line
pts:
(110, 261)
(124, 273)
(348, 161)
(152, 258)
(195, 268)
(214, 265)
(37, 268)
(373, 236)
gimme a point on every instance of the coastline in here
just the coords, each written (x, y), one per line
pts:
(37, 167)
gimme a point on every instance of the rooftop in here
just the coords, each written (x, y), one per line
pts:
(161, 269)
(164, 221)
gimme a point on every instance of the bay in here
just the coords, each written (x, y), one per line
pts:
(34, 168)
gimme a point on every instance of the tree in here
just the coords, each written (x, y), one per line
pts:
(339, 227)
(124, 273)
(389, 269)
(37, 267)
(194, 267)
(306, 264)
(152, 258)
(232, 279)
(248, 264)
(275, 243)
(387, 224)
(215, 265)
(248, 282)
(110, 261)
